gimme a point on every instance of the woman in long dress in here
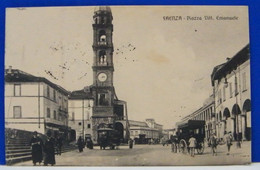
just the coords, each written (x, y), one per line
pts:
(80, 144)
(36, 144)
(49, 150)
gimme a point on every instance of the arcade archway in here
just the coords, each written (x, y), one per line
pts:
(236, 114)
(247, 119)
(227, 120)
(120, 128)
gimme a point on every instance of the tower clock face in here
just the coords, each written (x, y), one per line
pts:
(102, 77)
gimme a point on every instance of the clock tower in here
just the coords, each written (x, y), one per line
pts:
(102, 89)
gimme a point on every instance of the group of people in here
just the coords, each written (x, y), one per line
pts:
(81, 143)
(213, 143)
(45, 150)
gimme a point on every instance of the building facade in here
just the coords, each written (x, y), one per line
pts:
(80, 113)
(35, 104)
(143, 132)
(231, 87)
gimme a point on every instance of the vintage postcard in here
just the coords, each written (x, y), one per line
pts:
(127, 86)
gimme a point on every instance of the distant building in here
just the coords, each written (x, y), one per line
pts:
(169, 132)
(231, 86)
(142, 132)
(35, 104)
(80, 112)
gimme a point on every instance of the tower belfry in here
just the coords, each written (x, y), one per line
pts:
(102, 89)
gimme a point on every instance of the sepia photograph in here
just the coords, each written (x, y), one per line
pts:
(127, 86)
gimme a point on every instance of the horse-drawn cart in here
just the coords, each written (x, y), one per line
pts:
(108, 137)
(185, 130)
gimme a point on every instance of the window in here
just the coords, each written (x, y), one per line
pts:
(54, 95)
(236, 88)
(224, 93)
(79, 123)
(89, 126)
(65, 104)
(219, 97)
(17, 111)
(48, 91)
(54, 114)
(102, 99)
(87, 115)
(59, 117)
(73, 116)
(244, 81)
(102, 57)
(17, 90)
(230, 89)
(48, 113)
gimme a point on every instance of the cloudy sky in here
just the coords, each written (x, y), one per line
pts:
(164, 74)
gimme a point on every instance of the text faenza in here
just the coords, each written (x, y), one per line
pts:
(172, 18)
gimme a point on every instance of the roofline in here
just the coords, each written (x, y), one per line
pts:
(196, 111)
(231, 64)
(39, 79)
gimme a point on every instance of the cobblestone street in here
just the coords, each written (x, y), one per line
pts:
(147, 155)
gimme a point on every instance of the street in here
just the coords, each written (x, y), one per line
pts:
(151, 155)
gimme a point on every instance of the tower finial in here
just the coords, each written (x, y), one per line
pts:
(103, 9)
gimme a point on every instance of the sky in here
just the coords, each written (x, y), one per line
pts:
(163, 74)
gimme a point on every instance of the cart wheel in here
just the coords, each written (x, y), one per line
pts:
(200, 148)
(183, 146)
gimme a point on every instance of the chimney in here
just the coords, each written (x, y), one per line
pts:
(9, 71)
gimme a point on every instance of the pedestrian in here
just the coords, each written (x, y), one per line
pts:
(239, 140)
(192, 145)
(89, 143)
(36, 146)
(130, 142)
(49, 150)
(213, 144)
(59, 144)
(80, 144)
(228, 139)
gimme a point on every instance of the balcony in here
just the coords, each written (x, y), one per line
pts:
(102, 63)
(55, 122)
(102, 110)
(102, 43)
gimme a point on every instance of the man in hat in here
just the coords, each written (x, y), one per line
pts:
(213, 144)
(36, 145)
(59, 144)
(131, 143)
(192, 145)
(228, 139)
(49, 150)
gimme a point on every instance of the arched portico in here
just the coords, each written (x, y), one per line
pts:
(236, 114)
(228, 127)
